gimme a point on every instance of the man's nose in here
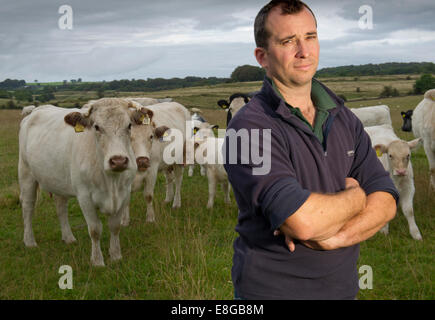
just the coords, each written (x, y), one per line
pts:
(303, 51)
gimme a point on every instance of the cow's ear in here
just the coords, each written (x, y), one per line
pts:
(223, 104)
(78, 121)
(403, 114)
(161, 131)
(414, 144)
(141, 116)
(380, 149)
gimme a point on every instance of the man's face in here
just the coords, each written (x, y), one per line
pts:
(293, 49)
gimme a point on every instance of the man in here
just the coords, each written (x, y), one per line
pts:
(326, 191)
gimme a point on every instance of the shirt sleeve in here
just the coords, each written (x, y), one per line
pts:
(268, 187)
(367, 169)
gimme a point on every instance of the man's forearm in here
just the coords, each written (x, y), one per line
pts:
(380, 208)
(322, 215)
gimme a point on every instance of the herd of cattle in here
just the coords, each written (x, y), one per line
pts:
(114, 146)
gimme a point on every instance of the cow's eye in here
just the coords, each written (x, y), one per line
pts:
(129, 126)
(97, 128)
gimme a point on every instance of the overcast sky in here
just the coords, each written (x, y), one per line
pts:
(125, 39)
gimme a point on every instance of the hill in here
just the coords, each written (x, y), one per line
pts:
(389, 68)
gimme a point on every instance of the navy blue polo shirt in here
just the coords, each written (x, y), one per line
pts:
(263, 267)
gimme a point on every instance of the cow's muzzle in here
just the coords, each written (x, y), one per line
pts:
(118, 163)
(143, 163)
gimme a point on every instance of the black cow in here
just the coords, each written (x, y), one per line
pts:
(407, 120)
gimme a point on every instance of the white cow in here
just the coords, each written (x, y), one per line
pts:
(144, 101)
(423, 126)
(373, 116)
(197, 121)
(149, 149)
(82, 153)
(396, 158)
(208, 153)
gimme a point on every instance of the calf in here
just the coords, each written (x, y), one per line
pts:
(395, 155)
(85, 154)
(373, 116)
(423, 126)
(208, 153)
(150, 149)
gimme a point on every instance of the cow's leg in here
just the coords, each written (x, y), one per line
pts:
(384, 229)
(62, 213)
(405, 202)
(211, 189)
(125, 216)
(203, 171)
(150, 182)
(226, 190)
(190, 172)
(178, 173)
(95, 228)
(430, 153)
(114, 223)
(28, 189)
(169, 177)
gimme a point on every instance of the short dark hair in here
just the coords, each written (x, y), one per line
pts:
(287, 6)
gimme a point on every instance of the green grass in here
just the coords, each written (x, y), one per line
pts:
(186, 253)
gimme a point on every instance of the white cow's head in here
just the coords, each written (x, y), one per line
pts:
(398, 154)
(110, 121)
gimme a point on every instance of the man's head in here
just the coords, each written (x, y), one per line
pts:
(287, 44)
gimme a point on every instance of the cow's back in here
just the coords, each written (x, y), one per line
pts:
(48, 147)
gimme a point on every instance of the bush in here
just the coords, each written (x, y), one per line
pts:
(389, 91)
(426, 82)
(247, 73)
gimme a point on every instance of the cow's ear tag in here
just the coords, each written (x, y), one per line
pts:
(379, 153)
(79, 127)
(162, 138)
(145, 119)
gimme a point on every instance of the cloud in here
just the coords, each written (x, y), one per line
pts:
(139, 39)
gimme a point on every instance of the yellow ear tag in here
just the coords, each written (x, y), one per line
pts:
(195, 131)
(379, 153)
(145, 120)
(165, 134)
(404, 116)
(79, 128)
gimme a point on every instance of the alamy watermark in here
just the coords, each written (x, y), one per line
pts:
(65, 21)
(66, 281)
(365, 22)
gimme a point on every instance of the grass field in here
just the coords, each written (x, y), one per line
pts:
(187, 253)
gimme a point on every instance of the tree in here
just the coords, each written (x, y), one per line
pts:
(248, 73)
(426, 82)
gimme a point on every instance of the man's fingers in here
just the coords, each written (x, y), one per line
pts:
(290, 244)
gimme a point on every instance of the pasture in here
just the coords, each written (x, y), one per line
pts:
(187, 252)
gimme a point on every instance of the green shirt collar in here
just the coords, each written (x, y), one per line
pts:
(322, 101)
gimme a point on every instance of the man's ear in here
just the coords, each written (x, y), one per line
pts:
(261, 56)
(223, 104)
(78, 121)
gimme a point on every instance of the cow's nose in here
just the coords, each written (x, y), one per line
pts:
(401, 172)
(143, 163)
(118, 163)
